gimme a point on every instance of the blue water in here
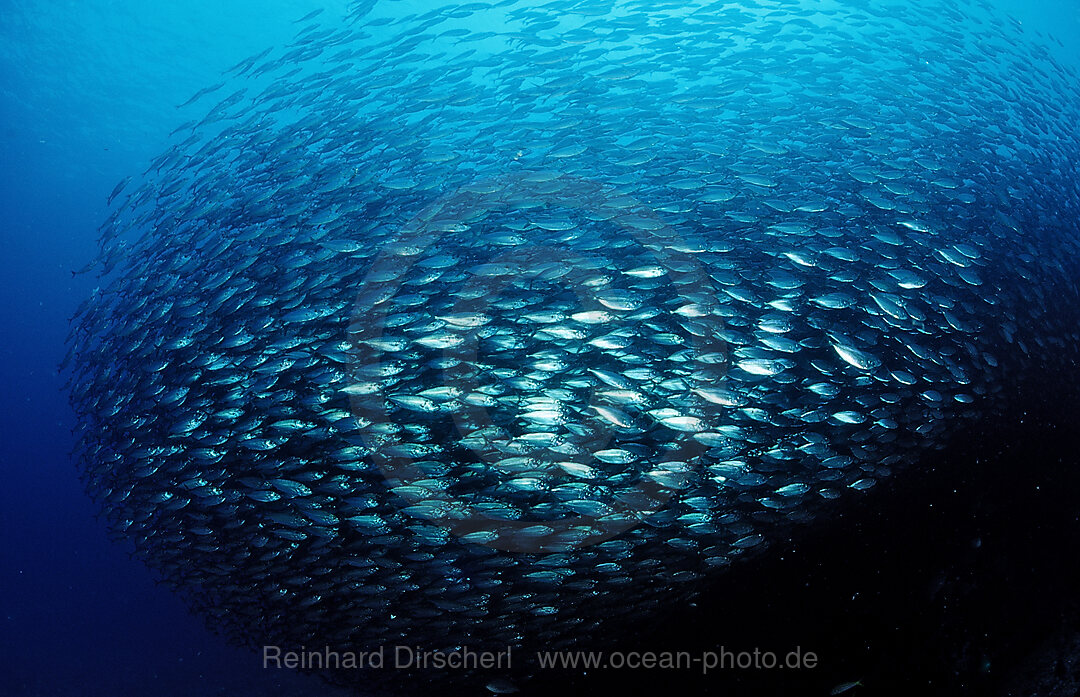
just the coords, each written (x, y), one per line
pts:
(88, 95)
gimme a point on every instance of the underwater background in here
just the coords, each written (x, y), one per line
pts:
(906, 596)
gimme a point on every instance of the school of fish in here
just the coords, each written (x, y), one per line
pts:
(506, 323)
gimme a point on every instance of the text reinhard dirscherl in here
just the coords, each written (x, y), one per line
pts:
(402, 658)
(410, 657)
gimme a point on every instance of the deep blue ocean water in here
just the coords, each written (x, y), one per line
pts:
(88, 95)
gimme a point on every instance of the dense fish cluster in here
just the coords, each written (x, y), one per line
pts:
(502, 321)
